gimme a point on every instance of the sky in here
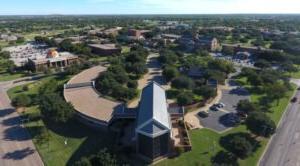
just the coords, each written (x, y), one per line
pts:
(45, 7)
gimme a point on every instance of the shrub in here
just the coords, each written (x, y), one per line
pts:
(260, 124)
(172, 93)
(183, 82)
(185, 98)
(21, 101)
(170, 73)
(179, 150)
(132, 84)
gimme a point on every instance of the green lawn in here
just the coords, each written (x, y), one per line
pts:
(98, 59)
(295, 74)
(125, 49)
(203, 140)
(9, 77)
(81, 140)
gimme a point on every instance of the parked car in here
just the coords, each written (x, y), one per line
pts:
(203, 114)
(294, 100)
(220, 105)
(213, 108)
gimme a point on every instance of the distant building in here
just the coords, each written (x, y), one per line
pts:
(252, 50)
(8, 38)
(206, 43)
(153, 130)
(135, 34)
(209, 43)
(52, 60)
(105, 49)
(112, 31)
(171, 37)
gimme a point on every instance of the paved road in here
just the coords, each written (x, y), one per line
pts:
(284, 148)
(16, 146)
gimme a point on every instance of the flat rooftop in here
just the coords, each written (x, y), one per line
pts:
(104, 46)
(89, 102)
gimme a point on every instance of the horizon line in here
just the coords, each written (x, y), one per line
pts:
(145, 14)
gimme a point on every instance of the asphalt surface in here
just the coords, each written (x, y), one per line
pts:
(16, 146)
(284, 148)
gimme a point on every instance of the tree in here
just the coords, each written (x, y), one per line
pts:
(20, 40)
(247, 107)
(21, 101)
(170, 73)
(132, 84)
(185, 98)
(240, 144)
(53, 107)
(84, 161)
(223, 158)
(221, 65)
(260, 124)
(206, 91)
(168, 57)
(49, 87)
(43, 136)
(228, 51)
(255, 79)
(5, 54)
(261, 63)
(182, 82)
(104, 158)
(276, 91)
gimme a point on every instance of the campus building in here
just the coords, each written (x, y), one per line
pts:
(52, 60)
(105, 49)
(252, 50)
(206, 43)
(153, 130)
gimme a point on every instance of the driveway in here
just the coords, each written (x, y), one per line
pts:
(16, 146)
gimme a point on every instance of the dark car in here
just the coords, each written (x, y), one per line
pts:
(203, 114)
(213, 108)
(294, 100)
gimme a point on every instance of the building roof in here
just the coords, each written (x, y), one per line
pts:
(87, 100)
(153, 117)
(104, 46)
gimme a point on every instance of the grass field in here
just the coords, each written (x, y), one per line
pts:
(205, 143)
(9, 77)
(80, 139)
(125, 49)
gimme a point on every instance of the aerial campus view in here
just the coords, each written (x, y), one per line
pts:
(141, 82)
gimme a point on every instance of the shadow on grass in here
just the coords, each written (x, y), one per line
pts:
(94, 139)
(71, 129)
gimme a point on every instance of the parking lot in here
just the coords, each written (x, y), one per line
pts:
(225, 118)
(231, 98)
(21, 54)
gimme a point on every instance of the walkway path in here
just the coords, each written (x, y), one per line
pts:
(154, 74)
(16, 146)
